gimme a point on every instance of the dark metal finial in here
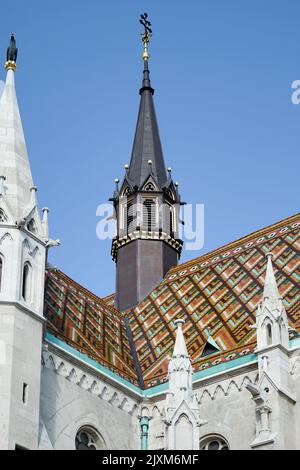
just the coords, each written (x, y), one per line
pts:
(146, 36)
(12, 51)
(146, 24)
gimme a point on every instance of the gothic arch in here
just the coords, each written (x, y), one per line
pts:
(89, 438)
(296, 366)
(50, 363)
(31, 250)
(183, 432)
(246, 380)
(72, 377)
(232, 388)
(214, 442)
(145, 411)
(6, 236)
(27, 281)
(219, 393)
(205, 397)
(103, 392)
(62, 370)
(156, 413)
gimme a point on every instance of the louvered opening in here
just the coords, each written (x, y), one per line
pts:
(171, 222)
(149, 214)
(129, 216)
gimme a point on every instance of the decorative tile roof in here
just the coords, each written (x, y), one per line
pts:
(87, 323)
(217, 295)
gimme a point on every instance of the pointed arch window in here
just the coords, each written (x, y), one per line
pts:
(129, 215)
(88, 438)
(171, 221)
(26, 282)
(269, 334)
(149, 214)
(1, 273)
(214, 442)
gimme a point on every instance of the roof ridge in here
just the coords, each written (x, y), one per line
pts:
(232, 244)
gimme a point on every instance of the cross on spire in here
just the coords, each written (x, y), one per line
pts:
(146, 36)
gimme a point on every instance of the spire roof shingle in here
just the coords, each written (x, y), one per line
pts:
(147, 144)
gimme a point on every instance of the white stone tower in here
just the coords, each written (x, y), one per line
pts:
(273, 396)
(23, 246)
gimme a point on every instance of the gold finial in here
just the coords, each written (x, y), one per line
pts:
(10, 65)
(146, 35)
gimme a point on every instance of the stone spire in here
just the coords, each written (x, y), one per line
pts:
(271, 293)
(180, 349)
(14, 163)
(271, 319)
(180, 368)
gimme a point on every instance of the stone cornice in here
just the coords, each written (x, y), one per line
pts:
(25, 309)
(89, 379)
(145, 235)
(87, 368)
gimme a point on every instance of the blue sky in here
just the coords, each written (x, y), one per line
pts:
(222, 73)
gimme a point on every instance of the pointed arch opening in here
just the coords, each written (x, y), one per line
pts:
(149, 214)
(214, 442)
(171, 221)
(129, 215)
(269, 334)
(26, 282)
(183, 433)
(1, 272)
(87, 438)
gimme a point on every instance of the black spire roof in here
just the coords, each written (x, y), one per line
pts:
(147, 145)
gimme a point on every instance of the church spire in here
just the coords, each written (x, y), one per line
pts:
(147, 203)
(270, 287)
(180, 349)
(147, 145)
(14, 162)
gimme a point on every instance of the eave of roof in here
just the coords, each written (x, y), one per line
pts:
(234, 365)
